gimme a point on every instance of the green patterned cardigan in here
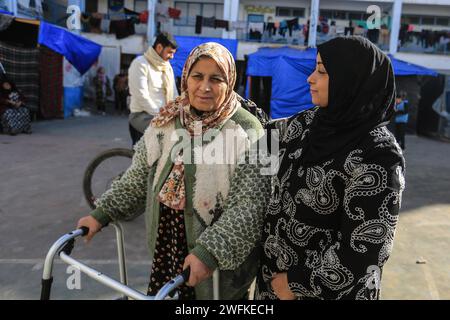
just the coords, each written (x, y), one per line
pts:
(224, 202)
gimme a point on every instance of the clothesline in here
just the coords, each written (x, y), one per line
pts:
(272, 27)
(168, 12)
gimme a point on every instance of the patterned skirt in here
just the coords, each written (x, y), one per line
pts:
(170, 251)
(16, 120)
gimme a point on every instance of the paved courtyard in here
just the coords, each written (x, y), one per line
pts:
(41, 198)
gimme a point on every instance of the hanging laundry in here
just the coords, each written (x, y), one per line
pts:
(122, 28)
(209, 22)
(256, 27)
(224, 24)
(143, 16)
(130, 12)
(270, 27)
(174, 13)
(205, 22)
(198, 24)
(283, 28)
(94, 25)
(291, 24)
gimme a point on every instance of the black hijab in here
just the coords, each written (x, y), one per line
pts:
(5, 92)
(361, 97)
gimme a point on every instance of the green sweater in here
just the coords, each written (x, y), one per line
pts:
(232, 195)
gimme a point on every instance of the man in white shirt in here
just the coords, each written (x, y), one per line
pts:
(152, 84)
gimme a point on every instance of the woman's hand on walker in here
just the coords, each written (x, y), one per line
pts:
(93, 225)
(281, 287)
(199, 271)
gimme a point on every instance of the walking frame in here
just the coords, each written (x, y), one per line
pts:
(64, 246)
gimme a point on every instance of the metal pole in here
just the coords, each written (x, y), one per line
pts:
(216, 291)
(395, 27)
(151, 24)
(230, 13)
(107, 281)
(313, 21)
(12, 6)
(121, 253)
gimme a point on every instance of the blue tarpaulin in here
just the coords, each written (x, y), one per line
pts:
(6, 12)
(80, 52)
(289, 69)
(186, 44)
(403, 68)
(73, 99)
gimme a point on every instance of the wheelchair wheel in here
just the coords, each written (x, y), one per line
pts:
(103, 170)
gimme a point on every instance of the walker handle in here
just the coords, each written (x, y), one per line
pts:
(186, 273)
(85, 230)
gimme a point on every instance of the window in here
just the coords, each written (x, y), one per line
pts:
(412, 19)
(209, 10)
(4, 5)
(30, 8)
(290, 12)
(91, 6)
(194, 9)
(183, 6)
(284, 12)
(441, 21)
(355, 16)
(219, 10)
(139, 5)
(326, 14)
(339, 14)
(428, 20)
(190, 10)
(298, 12)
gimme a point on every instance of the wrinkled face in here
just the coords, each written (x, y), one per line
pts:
(206, 85)
(318, 81)
(166, 53)
(6, 86)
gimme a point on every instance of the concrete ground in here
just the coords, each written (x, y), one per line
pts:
(41, 198)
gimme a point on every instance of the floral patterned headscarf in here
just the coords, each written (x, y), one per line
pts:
(181, 106)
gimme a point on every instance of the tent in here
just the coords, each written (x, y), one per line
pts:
(31, 52)
(80, 52)
(186, 44)
(289, 69)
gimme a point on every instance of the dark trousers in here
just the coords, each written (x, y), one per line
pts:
(135, 134)
(120, 101)
(101, 104)
(400, 129)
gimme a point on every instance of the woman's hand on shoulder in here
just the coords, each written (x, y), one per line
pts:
(281, 288)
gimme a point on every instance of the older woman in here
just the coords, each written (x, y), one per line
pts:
(201, 211)
(14, 115)
(330, 224)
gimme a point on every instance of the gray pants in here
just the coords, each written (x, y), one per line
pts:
(140, 120)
